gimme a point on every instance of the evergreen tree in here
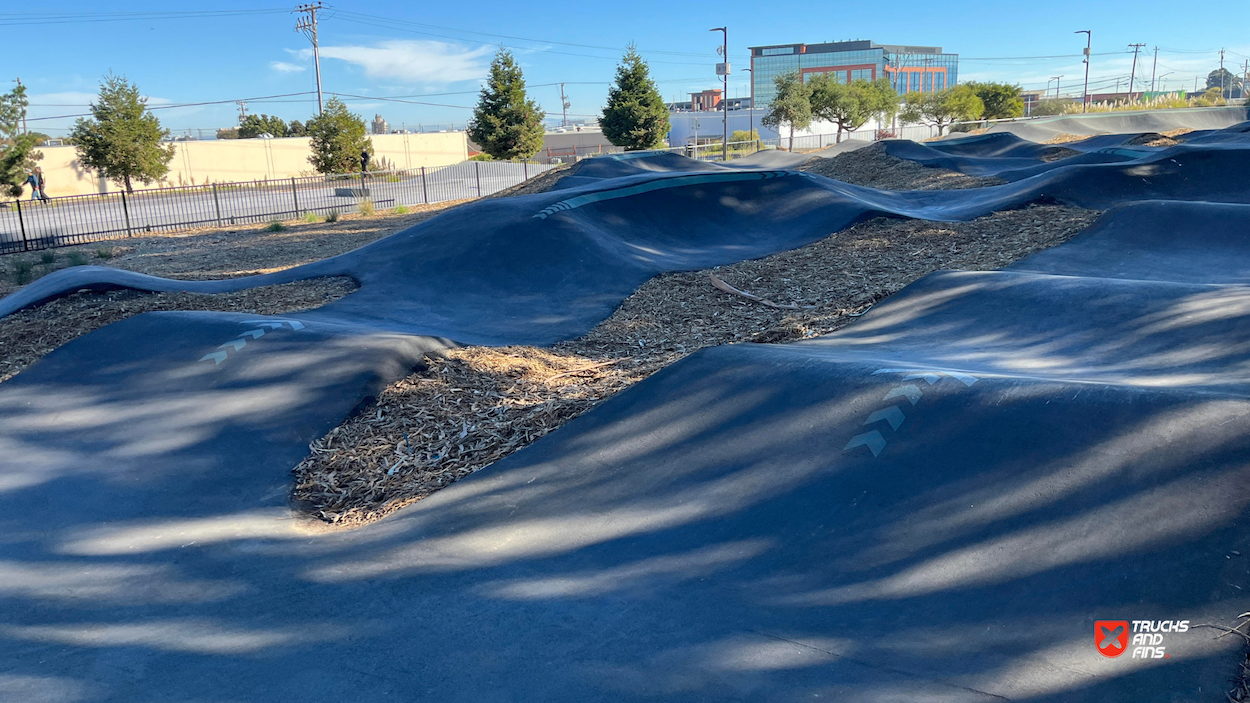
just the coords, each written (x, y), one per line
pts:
(296, 129)
(17, 150)
(506, 123)
(338, 137)
(122, 140)
(635, 116)
(791, 106)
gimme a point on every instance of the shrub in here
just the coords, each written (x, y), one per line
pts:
(399, 210)
(366, 207)
(22, 271)
(77, 258)
(275, 226)
(105, 253)
(310, 217)
(47, 258)
(333, 216)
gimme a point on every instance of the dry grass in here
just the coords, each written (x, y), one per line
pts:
(1058, 153)
(27, 335)
(871, 166)
(473, 406)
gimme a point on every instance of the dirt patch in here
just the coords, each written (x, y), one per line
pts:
(1065, 138)
(873, 167)
(27, 335)
(1168, 138)
(473, 406)
(1058, 153)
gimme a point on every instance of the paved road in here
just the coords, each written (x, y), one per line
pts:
(85, 218)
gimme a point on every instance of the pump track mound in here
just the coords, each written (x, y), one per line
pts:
(936, 503)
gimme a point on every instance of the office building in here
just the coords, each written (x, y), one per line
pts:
(909, 68)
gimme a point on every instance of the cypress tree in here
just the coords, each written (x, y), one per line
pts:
(506, 123)
(122, 140)
(635, 116)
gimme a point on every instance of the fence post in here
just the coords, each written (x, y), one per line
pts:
(525, 170)
(126, 212)
(295, 196)
(217, 204)
(477, 170)
(425, 191)
(22, 224)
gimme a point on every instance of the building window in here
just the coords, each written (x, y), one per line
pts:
(778, 52)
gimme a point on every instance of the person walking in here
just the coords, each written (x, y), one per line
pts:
(33, 181)
(42, 182)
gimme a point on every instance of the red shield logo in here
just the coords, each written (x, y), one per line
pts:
(1111, 637)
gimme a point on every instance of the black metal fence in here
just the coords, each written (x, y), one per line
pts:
(29, 225)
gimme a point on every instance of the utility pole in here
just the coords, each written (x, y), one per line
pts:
(564, 106)
(751, 109)
(723, 70)
(1089, 40)
(1056, 80)
(308, 25)
(242, 109)
(1153, 68)
(24, 130)
(1133, 73)
(1222, 74)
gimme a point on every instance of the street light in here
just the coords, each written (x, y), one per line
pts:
(723, 70)
(1089, 39)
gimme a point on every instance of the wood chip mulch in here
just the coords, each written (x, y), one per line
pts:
(27, 335)
(472, 406)
(871, 166)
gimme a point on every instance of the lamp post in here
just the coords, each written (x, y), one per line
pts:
(1089, 39)
(723, 69)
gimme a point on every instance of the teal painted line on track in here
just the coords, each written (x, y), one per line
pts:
(659, 184)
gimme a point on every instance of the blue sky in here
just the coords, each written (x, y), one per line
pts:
(437, 53)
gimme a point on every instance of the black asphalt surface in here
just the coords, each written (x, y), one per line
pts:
(933, 504)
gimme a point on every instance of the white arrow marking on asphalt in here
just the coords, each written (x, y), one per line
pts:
(254, 334)
(892, 415)
(236, 343)
(873, 440)
(964, 378)
(909, 391)
(215, 356)
(930, 378)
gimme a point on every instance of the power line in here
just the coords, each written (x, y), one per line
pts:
(177, 105)
(72, 18)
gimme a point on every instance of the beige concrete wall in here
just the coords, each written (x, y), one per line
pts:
(225, 160)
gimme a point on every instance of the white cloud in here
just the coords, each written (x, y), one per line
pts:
(284, 67)
(412, 61)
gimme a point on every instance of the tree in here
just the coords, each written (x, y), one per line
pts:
(296, 129)
(253, 126)
(741, 135)
(635, 116)
(1229, 83)
(851, 105)
(942, 107)
(506, 123)
(17, 150)
(1051, 106)
(1001, 100)
(122, 140)
(231, 133)
(338, 137)
(790, 106)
